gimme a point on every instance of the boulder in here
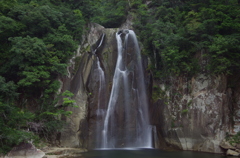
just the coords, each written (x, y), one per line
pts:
(226, 145)
(232, 153)
(237, 146)
(25, 150)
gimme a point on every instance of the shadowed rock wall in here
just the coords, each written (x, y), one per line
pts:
(75, 133)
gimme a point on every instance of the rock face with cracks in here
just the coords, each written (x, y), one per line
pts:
(75, 133)
(195, 113)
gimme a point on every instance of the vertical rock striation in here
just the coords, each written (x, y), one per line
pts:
(75, 133)
(196, 113)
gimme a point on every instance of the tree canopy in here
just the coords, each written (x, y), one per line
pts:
(37, 40)
(173, 31)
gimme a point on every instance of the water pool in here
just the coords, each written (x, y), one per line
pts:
(147, 153)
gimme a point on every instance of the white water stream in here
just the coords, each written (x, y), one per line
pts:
(126, 124)
(100, 107)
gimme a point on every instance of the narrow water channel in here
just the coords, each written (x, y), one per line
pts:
(148, 153)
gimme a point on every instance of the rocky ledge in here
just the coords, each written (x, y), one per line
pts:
(231, 149)
(63, 152)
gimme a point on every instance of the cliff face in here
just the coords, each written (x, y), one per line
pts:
(100, 84)
(187, 113)
(76, 131)
(196, 113)
(91, 81)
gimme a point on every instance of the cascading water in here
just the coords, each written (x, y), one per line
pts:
(126, 124)
(101, 103)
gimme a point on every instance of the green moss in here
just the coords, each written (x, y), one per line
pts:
(77, 63)
(158, 93)
(173, 124)
(189, 103)
(88, 49)
(105, 55)
(184, 111)
(233, 139)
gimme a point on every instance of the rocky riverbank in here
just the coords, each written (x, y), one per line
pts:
(63, 152)
(28, 150)
(231, 149)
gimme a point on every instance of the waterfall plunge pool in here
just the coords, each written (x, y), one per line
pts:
(148, 153)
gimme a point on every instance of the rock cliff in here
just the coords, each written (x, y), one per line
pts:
(189, 113)
(196, 113)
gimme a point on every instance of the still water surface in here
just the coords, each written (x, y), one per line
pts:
(148, 153)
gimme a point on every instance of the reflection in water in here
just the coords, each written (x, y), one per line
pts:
(148, 153)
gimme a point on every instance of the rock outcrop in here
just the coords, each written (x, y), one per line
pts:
(231, 145)
(75, 133)
(232, 153)
(189, 113)
(25, 150)
(226, 145)
(99, 45)
(195, 113)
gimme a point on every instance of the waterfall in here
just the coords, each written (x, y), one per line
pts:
(101, 103)
(100, 44)
(126, 123)
(100, 77)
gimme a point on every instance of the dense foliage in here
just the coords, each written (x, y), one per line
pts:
(111, 14)
(174, 31)
(37, 40)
